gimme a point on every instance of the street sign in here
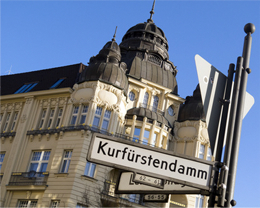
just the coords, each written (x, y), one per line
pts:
(212, 87)
(126, 185)
(148, 180)
(163, 198)
(143, 159)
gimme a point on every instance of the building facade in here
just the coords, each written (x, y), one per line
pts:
(128, 91)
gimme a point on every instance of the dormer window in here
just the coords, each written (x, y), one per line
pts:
(26, 87)
(56, 84)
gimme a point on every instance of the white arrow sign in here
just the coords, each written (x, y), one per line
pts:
(212, 87)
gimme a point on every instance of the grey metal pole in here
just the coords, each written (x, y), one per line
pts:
(222, 131)
(231, 125)
(249, 29)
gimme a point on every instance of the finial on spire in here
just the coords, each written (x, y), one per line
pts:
(152, 12)
(114, 37)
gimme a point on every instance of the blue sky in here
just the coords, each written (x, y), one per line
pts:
(38, 35)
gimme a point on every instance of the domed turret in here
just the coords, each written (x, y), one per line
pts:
(144, 48)
(192, 109)
(107, 67)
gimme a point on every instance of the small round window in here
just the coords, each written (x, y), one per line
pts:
(171, 111)
(132, 96)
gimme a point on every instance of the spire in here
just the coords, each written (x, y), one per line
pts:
(114, 37)
(151, 12)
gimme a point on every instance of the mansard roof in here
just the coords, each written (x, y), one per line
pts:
(45, 79)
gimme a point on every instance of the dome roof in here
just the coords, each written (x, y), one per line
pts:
(192, 109)
(146, 36)
(144, 112)
(144, 48)
(107, 67)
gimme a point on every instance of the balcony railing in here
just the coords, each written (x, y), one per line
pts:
(28, 178)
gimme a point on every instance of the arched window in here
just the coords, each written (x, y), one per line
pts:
(145, 101)
(155, 103)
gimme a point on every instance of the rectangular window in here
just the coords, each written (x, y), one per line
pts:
(42, 118)
(146, 137)
(137, 134)
(199, 201)
(2, 156)
(26, 87)
(39, 161)
(50, 118)
(97, 117)
(7, 120)
(66, 161)
(90, 169)
(27, 203)
(55, 203)
(83, 114)
(209, 154)
(106, 119)
(202, 151)
(74, 115)
(59, 117)
(14, 120)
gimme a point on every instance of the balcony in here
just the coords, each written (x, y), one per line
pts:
(31, 178)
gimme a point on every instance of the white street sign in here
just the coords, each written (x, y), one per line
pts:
(156, 198)
(126, 185)
(148, 180)
(127, 155)
(212, 87)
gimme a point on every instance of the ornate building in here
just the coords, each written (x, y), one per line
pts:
(128, 91)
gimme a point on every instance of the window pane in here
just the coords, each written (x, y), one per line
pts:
(33, 166)
(131, 96)
(137, 131)
(64, 166)
(73, 120)
(105, 124)
(55, 203)
(99, 111)
(92, 170)
(36, 156)
(145, 101)
(83, 119)
(154, 139)
(57, 83)
(43, 167)
(46, 155)
(2, 155)
(155, 103)
(85, 109)
(146, 133)
(96, 121)
(87, 168)
(107, 114)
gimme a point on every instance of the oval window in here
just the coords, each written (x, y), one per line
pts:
(171, 111)
(132, 96)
